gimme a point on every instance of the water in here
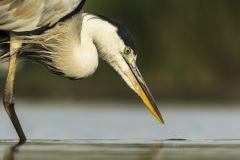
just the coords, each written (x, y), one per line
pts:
(122, 131)
(121, 150)
(128, 121)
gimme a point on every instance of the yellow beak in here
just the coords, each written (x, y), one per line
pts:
(142, 90)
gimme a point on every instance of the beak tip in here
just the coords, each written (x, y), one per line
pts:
(161, 121)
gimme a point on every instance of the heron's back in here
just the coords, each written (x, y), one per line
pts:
(28, 15)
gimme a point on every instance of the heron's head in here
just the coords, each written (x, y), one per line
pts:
(115, 45)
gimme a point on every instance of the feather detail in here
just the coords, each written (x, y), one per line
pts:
(28, 15)
(63, 49)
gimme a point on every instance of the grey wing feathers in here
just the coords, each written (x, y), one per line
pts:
(28, 15)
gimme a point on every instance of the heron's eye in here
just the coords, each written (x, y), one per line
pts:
(127, 50)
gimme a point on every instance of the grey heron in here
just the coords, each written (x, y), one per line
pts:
(68, 42)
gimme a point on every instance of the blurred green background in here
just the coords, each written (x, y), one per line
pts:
(188, 50)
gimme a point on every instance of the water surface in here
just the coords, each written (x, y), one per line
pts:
(122, 131)
(121, 150)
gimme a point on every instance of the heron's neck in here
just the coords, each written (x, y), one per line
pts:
(107, 42)
(101, 33)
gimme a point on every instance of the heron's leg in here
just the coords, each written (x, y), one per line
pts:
(8, 99)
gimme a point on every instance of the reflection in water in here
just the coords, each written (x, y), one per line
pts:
(120, 150)
(83, 149)
(9, 153)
